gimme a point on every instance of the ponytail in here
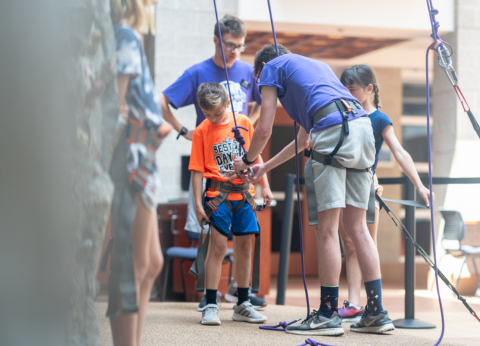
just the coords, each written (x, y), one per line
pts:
(376, 99)
(362, 75)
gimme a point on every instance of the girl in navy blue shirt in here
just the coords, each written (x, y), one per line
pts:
(362, 84)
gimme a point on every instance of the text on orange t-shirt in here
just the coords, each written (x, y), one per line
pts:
(214, 149)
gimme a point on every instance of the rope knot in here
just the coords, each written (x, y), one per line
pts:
(238, 136)
(311, 342)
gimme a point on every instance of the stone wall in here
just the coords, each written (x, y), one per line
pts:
(184, 38)
(59, 108)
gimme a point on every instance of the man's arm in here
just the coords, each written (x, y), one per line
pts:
(170, 118)
(263, 131)
(288, 152)
(254, 113)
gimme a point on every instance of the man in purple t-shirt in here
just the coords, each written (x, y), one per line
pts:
(337, 175)
(183, 92)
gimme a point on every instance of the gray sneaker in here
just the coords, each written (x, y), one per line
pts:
(317, 324)
(246, 313)
(232, 296)
(210, 315)
(203, 302)
(373, 324)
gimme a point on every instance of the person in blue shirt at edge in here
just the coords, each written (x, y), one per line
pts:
(245, 91)
(362, 84)
(308, 89)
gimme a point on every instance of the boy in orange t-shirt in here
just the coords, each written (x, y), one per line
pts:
(213, 152)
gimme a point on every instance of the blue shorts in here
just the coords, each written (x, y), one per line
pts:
(243, 222)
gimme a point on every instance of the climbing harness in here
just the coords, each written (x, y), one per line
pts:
(422, 252)
(444, 53)
(344, 107)
(225, 189)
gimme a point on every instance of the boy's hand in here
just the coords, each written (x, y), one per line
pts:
(267, 196)
(201, 215)
(240, 166)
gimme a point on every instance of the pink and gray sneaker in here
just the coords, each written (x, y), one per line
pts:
(350, 312)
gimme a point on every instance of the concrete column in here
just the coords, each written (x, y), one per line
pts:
(455, 144)
(184, 38)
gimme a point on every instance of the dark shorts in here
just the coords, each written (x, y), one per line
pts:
(243, 222)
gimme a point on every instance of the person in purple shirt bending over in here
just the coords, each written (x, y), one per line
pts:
(337, 175)
(183, 92)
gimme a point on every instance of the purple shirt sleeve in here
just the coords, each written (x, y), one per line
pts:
(256, 95)
(273, 76)
(181, 93)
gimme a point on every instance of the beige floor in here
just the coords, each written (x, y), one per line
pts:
(178, 324)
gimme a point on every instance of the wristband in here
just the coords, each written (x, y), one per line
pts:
(182, 132)
(244, 159)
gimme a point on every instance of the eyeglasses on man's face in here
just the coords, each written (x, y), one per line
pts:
(232, 46)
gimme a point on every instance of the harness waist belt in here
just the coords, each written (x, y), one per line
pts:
(332, 107)
(316, 156)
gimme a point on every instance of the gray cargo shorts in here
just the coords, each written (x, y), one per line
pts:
(336, 187)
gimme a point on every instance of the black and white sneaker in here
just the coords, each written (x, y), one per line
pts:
(203, 302)
(232, 296)
(317, 324)
(246, 313)
(373, 324)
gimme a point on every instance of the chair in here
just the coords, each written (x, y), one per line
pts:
(188, 254)
(455, 230)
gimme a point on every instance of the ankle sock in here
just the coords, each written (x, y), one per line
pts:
(211, 297)
(374, 297)
(329, 300)
(242, 295)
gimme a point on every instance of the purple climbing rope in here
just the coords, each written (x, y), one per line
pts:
(236, 130)
(431, 202)
(311, 342)
(282, 325)
(299, 203)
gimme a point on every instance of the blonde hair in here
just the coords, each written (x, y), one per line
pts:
(137, 13)
(210, 95)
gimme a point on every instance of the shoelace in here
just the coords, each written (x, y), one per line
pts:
(208, 311)
(312, 315)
